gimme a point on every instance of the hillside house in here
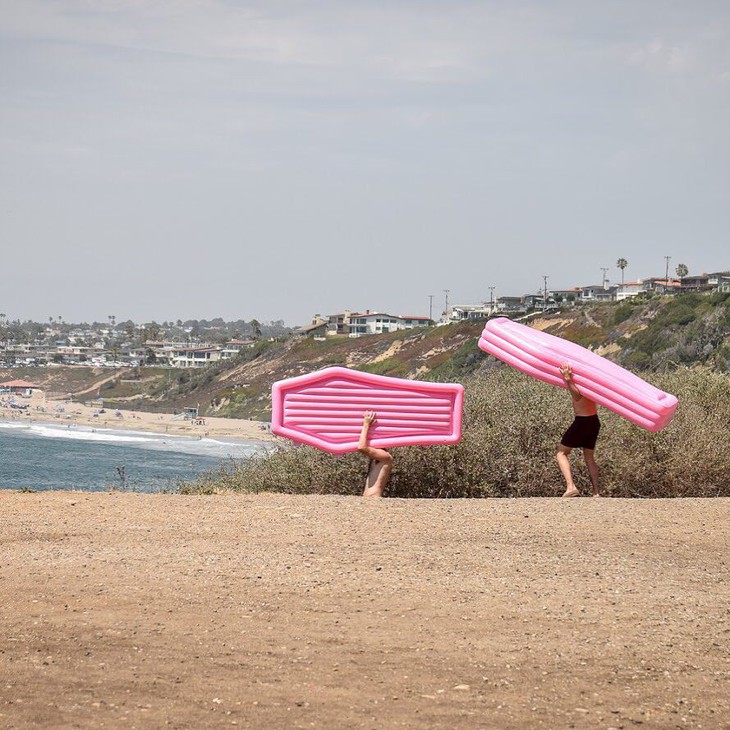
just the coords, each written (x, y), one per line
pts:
(461, 312)
(510, 305)
(719, 281)
(234, 347)
(194, 357)
(655, 285)
(373, 323)
(339, 324)
(597, 293)
(565, 295)
(316, 329)
(628, 290)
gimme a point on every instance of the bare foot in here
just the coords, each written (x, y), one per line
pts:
(595, 495)
(572, 492)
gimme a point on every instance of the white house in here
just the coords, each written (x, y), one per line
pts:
(195, 357)
(628, 290)
(375, 323)
(233, 347)
(461, 312)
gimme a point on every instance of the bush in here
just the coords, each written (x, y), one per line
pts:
(512, 425)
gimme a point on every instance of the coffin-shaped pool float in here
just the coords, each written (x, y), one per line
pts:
(325, 409)
(540, 355)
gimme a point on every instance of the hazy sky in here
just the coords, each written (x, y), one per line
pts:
(165, 159)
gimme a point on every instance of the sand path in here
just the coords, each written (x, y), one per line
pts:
(271, 611)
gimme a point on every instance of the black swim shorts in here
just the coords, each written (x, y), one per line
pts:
(582, 433)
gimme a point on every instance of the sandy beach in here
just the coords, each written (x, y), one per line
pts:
(274, 611)
(44, 410)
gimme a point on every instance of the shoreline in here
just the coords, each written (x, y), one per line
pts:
(54, 413)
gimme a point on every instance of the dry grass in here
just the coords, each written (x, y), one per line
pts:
(512, 425)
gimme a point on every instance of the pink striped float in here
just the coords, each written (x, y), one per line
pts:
(325, 409)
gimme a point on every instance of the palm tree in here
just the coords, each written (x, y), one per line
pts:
(622, 264)
(682, 271)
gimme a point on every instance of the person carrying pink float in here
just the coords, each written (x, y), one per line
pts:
(582, 433)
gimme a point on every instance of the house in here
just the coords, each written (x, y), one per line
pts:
(461, 312)
(375, 323)
(19, 387)
(697, 283)
(535, 301)
(195, 357)
(510, 305)
(316, 329)
(565, 295)
(656, 285)
(719, 281)
(234, 347)
(410, 321)
(339, 324)
(597, 293)
(628, 290)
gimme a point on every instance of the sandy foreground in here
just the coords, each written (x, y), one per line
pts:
(41, 410)
(274, 611)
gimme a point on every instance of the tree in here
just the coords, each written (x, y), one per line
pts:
(256, 327)
(682, 271)
(622, 264)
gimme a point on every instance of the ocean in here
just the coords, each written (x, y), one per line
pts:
(42, 456)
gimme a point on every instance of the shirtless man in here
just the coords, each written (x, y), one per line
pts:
(582, 433)
(381, 462)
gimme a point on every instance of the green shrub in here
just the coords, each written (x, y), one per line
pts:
(390, 366)
(512, 425)
(622, 312)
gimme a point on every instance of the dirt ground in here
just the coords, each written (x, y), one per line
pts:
(272, 611)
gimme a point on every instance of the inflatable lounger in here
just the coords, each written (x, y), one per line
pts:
(325, 409)
(540, 355)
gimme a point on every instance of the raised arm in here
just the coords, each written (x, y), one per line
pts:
(363, 447)
(567, 373)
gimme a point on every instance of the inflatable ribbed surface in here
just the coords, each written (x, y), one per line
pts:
(540, 355)
(325, 409)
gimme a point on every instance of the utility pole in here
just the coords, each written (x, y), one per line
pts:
(604, 269)
(446, 302)
(491, 300)
(430, 307)
(666, 273)
(544, 292)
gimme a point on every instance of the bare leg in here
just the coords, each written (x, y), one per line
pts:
(592, 470)
(564, 463)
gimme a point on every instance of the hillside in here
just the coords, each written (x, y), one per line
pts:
(658, 334)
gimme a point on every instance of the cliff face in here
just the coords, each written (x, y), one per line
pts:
(655, 335)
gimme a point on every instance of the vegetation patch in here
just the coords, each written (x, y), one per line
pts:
(512, 425)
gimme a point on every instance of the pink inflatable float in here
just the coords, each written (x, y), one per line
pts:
(540, 355)
(325, 409)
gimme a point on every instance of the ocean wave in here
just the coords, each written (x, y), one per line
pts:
(84, 435)
(10, 424)
(137, 439)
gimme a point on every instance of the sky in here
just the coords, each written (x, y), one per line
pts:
(273, 159)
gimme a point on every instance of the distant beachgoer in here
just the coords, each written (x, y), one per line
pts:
(582, 433)
(381, 462)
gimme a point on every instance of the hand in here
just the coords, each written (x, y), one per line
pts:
(369, 418)
(567, 372)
